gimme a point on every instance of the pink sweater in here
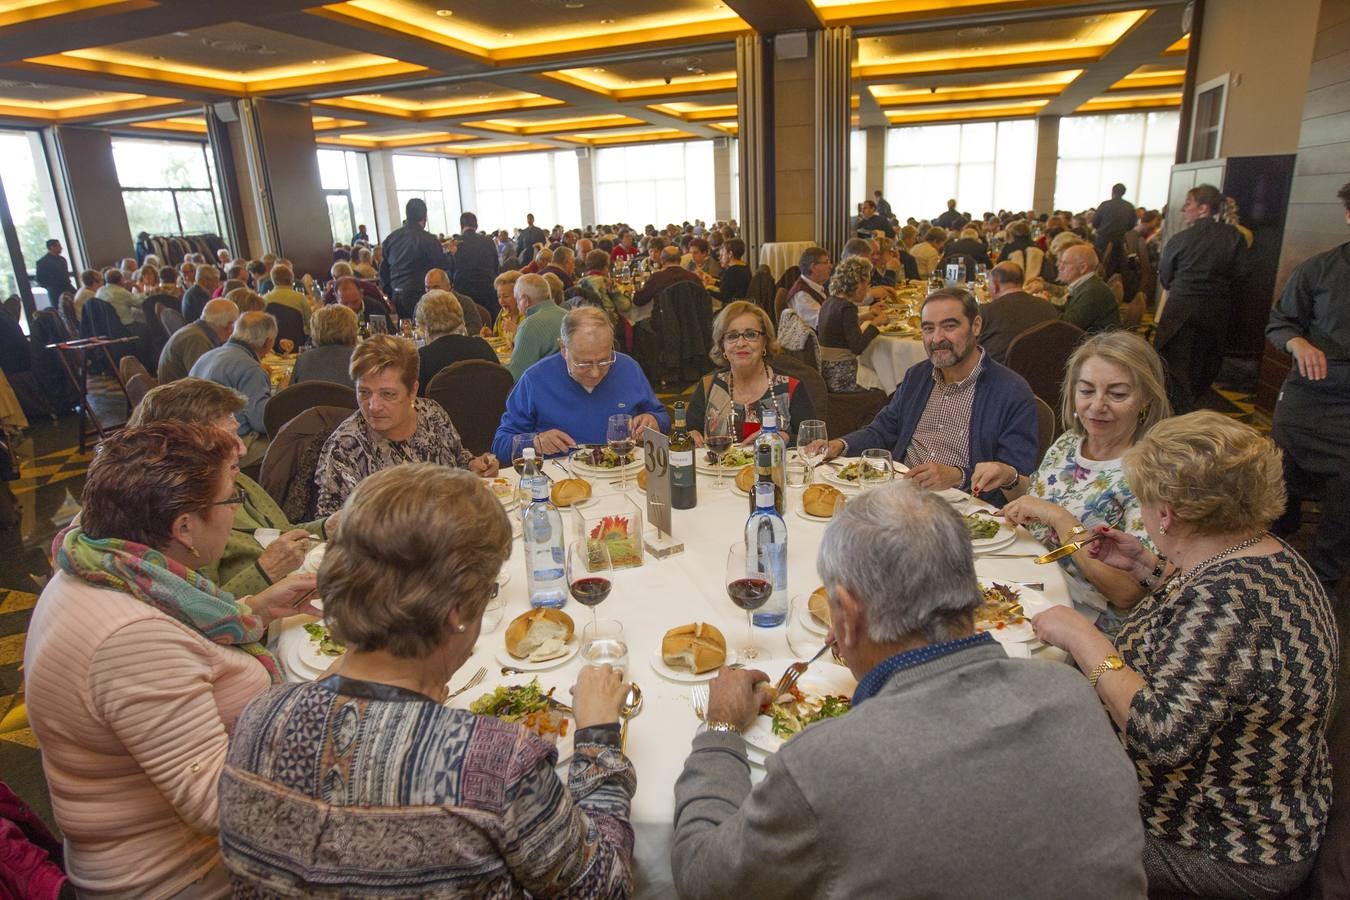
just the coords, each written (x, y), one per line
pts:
(132, 710)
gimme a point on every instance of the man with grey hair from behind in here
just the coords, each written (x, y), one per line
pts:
(909, 793)
(236, 364)
(540, 319)
(186, 345)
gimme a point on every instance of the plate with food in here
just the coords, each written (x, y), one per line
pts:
(600, 460)
(820, 694)
(532, 706)
(989, 533)
(318, 650)
(733, 460)
(691, 653)
(815, 613)
(820, 502)
(848, 474)
(1004, 612)
(504, 491)
(539, 640)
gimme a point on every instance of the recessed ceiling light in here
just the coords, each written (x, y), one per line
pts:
(180, 34)
(318, 62)
(606, 21)
(445, 13)
(507, 34)
(573, 4)
(598, 69)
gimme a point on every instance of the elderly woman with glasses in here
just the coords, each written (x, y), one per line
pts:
(567, 398)
(365, 784)
(743, 342)
(391, 425)
(137, 665)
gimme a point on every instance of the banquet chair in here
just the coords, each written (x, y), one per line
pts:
(761, 290)
(790, 276)
(473, 393)
(1039, 355)
(483, 315)
(128, 366)
(779, 304)
(290, 324)
(171, 319)
(1045, 428)
(1132, 313)
(138, 385)
(812, 382)
(289, 402)
(292, 457)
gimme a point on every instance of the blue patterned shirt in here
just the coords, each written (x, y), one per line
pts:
(882, 672)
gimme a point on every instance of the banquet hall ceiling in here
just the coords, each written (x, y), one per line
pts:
(480, 76)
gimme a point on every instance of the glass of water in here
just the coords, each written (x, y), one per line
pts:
(603, 643)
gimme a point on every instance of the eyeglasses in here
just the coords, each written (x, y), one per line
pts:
(236, 498)
(492, 594)
(602, 366)
(749, 334)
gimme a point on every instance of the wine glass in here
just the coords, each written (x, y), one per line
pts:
(749, 588)
(619, 435)
(876, 468)
(719, 434)
(812, 431)
(587, 567)
(602, 643)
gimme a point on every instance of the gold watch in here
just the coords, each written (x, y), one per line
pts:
(1112, 663)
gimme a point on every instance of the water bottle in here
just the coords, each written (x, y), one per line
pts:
(766, 543)
(545, 548)
(769, 436)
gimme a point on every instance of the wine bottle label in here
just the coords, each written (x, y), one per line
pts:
(681, 458)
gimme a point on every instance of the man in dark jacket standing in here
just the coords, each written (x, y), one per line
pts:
(409, 253)
(53, 275)
(530, 235)
(1113, 219)
(475, 265)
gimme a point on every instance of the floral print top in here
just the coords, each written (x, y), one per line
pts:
(1096, 492)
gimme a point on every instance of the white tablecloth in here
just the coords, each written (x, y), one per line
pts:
(664, 593)
(884, 361)
(780, 256)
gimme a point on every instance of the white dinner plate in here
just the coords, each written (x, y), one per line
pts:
(588, 469)
(810, 622)
(1006, 535)
(1033, 604)
(565, 744)
(683, 676)
(310, 658)
(503, 578)
(823, 520)
(525, 665)
(816, 681)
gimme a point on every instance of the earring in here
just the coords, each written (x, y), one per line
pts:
(461, 628)
(1143, 414)
(1162, 529)
(193, 551)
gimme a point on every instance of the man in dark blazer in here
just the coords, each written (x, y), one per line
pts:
(1091, 305)
(1010, 312)
(530, 235)
(475, 265)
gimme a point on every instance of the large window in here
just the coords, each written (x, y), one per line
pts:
(986, 166)
(166, 186)
(345, 177)
(655, 184)
(857, 168)
(1095, 152)
(546, 184)
(23, 171)
(434, 179)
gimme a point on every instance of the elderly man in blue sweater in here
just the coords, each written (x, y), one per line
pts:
(567, 399)
(957, 414)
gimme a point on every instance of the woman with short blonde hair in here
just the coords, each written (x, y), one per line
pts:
(508, 317)
(743, 343)
(391, 426)
(1231, 659)
(440, 314)
(333, 333)
(408, 611)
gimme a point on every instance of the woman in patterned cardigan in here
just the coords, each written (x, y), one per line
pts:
(364, 784)
(1221, 680)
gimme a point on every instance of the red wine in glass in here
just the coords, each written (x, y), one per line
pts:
(590, 591)
(750, 593)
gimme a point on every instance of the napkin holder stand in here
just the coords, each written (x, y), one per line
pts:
(661, 545)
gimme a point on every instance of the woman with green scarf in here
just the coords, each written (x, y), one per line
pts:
(137, 665)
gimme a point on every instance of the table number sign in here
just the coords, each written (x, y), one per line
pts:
(656, 459)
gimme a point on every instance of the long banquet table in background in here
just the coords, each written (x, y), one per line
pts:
(883, 363)
(659, 595)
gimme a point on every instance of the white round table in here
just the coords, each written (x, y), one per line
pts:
(883, 363)
(659, 595)
(780, 256)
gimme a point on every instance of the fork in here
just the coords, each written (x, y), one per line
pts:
(795, 671)
(473, 682)
(698, 695)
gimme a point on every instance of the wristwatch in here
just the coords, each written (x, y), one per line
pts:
(1112, 663)
(721, 727)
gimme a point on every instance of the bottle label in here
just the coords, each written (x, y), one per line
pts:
(681, 458)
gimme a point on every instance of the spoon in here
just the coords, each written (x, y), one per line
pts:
(632, 705)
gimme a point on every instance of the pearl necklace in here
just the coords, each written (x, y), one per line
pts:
(1186, 577)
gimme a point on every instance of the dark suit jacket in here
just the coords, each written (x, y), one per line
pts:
(475, 267)
(53, 275)
(662, 280)
(1202, 267)
(447, 349)
(1092, 307)
(528, 237)
(1004, 318)
(194, 300)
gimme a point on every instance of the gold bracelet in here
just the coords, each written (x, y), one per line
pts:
(722, 727)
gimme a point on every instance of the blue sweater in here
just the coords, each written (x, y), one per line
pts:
(1003, 425)
(546, 396)
(235, 365)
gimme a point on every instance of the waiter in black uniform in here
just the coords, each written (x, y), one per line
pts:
(409, 253)
(1312, 415)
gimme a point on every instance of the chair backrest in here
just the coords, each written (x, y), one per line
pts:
(290, 324)
(1117, 286)
(761, 290)
(289, 402)
(812, 382)
(171, 319)
(779, 303)
(138, 385)
(790, 277)
(69, 316)
(287, 472)
(1045, 428)
(483, 315)
(1132, 313)
(473, 393)
(128, 366)
(1039, 355)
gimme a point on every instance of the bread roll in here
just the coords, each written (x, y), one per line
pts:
(697, 647)
(745, 479)
(820, 500)
(570, 490)
(819, 606)
(642, 478)
(539, 635)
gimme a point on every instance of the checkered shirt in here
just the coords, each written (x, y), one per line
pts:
(943, 433)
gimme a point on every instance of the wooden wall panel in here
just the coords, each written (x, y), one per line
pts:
(298, 208)
(95, 195)
(1316, 220)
